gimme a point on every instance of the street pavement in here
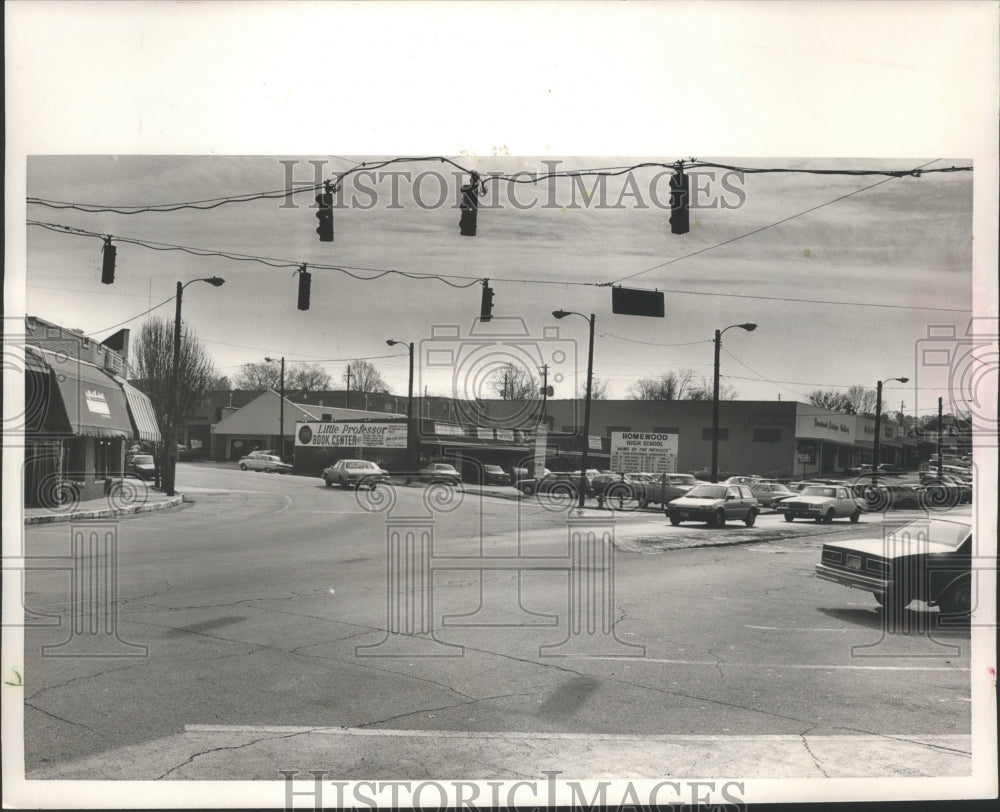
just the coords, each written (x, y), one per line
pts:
(249, 610)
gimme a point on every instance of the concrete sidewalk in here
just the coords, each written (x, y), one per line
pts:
(137, 497)
(221, 752)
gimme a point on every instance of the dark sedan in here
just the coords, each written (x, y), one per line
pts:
(927, 560)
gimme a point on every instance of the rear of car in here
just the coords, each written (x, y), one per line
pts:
(821, 503)
(355, 474)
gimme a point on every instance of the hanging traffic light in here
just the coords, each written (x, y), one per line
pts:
(680, 193)
(325, 215)
(108, 267)
(486, 307)
(305, 283)
(469, 207)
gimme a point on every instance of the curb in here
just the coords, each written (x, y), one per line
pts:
(105, 513)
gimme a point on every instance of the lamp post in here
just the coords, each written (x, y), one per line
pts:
(878, 425)
(410, 433)
(585, 457)
(176, 382)
(749, 327)
(281, 409)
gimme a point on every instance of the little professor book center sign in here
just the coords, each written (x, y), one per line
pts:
(654, 453)
(351, 435)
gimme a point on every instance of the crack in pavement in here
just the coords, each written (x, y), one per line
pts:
(48, 688)
(472, 701)
(59, 718)
(192, 757)
(812, 755)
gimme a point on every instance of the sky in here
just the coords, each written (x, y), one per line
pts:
(842, 274)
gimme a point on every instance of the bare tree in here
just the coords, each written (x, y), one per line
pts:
(512, 382)
(598, 389)
(362, 376)
(173, 404)
(300, 378)
(219, 383)
(668, 386)
(258, 377)
(829, 399)
(860, 400)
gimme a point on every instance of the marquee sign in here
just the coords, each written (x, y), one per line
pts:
(343, 434)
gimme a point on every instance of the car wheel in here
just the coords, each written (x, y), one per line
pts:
(856, 515)
(828, 518)
(528, 490)
(789, 517)
(674, 519)
(328, 481)
(751, 518)
(719, 519)
(343, 483)
(243, 466)
(958, 599)
(644, 503)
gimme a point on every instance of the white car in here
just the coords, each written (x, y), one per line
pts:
(268, 463)
(822, 503)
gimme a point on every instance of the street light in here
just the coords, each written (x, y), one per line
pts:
(585, 457)
(281, 408)
(410, 433)
(175, 389)
(749, 327)
(878, 426)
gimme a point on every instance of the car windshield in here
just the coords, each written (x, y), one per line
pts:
(683, 480)
(494, 469)
(814, 491)
(143, 459)
(707, 492)
(360, 464)
(938, 531)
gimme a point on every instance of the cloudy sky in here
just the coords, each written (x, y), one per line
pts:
(843, 274)
(842, 287)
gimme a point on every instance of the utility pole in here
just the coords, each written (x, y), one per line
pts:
(940, 430)
(347, 399)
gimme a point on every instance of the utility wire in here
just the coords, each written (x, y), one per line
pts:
(376, 273)
(522, 177)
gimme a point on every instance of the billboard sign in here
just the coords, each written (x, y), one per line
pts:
(652, 452)
(347, 434)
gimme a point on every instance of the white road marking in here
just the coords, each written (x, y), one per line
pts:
(920, 738)
(778, 666)
(793, 629)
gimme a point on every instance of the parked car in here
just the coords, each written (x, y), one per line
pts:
(769, 493)
(556, 482)
(927, 560)
(141, 466)
(945, 489)
(440, 472)
(883, 495)
(822, 503)
(268, 463)
(714, 504)
(192, 455)
(663, 488)
(608, 485)
(740, 480)
(495, 475)
(354, 474)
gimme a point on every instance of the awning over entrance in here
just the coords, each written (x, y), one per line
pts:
(141, 411)
(43, 412)
(93, 400)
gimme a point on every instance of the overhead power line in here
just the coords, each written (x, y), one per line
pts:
(520, 177)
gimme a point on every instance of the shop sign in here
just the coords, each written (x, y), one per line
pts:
(97, 402)
(836, 428)
(351, 435)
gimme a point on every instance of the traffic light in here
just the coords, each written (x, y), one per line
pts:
(680, 194)
(486, 308)
(108, 268)
(325, 215)
(469, 207)
(305, 283)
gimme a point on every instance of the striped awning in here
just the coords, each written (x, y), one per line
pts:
(140, 410)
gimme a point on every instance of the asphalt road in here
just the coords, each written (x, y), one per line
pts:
(252, 599)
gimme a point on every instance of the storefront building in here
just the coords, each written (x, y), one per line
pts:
(80, 414)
